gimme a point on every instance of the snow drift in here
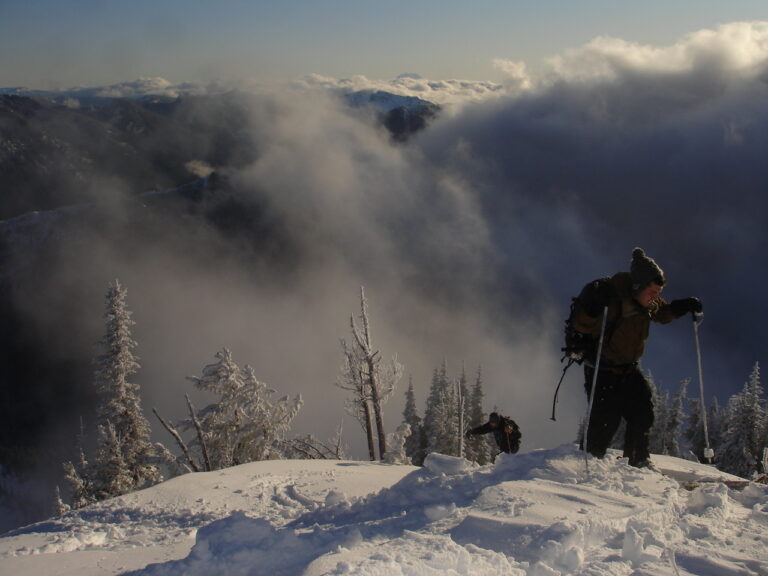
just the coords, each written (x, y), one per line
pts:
(540, 513)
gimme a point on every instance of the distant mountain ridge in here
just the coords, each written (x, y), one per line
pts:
(60, 148)
(403, 116)
(146, 87)
(88, 179)
(53, 154)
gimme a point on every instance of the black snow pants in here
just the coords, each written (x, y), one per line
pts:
(622, 392)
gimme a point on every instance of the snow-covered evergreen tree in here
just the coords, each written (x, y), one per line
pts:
(440, 413)
(430, 424)
(462, 411)
(113, 475)
(266, 419)
(658, 433)
(221, 420)
(413, 447)
(694, 431)
(125, 458)
(445, 414)
(60, 507)
(675, 421)
(716, 418)
(120, 404)
(742, 447)
(78, 479)
(245, 423)
(444, 439)
(477, 449)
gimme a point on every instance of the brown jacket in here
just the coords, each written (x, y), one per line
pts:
(628, 323)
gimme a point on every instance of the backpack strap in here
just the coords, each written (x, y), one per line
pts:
(614, 305)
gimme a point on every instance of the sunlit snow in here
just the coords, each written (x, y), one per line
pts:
(544, 513)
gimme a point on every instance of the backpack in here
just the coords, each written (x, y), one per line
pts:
(580, 346)
(512, 429)
(512, 432)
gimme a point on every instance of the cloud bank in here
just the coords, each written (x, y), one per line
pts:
(470, 238)
(620, 144)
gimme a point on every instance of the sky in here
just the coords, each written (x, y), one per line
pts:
(545, 513)
(50, 45)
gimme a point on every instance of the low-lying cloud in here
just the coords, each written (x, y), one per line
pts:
(619, 144)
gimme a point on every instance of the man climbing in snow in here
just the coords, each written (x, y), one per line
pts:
(633, 300)
(505, 431)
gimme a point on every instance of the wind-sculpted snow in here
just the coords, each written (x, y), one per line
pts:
(540, 513)
(544, 513)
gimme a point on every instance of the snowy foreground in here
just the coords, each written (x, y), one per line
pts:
(535, 514)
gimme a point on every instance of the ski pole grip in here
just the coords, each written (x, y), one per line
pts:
(697, 316)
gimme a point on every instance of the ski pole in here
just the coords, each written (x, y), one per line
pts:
(594, 385)
(697, 320)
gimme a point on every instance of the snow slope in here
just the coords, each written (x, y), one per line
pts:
(535, 514)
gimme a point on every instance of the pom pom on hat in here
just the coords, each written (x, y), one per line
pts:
(644, 270)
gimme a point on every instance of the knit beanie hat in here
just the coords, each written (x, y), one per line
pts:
(644, 270)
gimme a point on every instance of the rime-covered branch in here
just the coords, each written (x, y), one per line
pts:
(176, 436)
(200, 434)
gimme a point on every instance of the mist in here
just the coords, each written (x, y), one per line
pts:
(330, 204)
(623, 145)
(470, 238)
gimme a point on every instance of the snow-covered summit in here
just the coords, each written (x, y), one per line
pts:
(535, 514)
(402, 115)
(387, 101)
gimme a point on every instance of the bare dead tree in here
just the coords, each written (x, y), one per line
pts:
(353, 379)
(311, 448)
(176, 436)
(460, 417)
(200, 434)
(379, 389)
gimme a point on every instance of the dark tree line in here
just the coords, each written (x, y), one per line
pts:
(737, 432)
(451, 408)
(246, 423)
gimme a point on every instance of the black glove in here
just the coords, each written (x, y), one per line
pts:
(468, 434)
(578, 345)
(684, 305)
(595, 297)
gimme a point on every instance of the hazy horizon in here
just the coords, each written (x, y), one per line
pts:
(50, 45)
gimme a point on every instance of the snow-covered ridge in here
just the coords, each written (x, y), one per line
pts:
(139, 88)
(401, 115)
(386, 101)
(535, 514)
(156, 87)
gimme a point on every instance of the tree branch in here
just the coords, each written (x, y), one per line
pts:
(172, 431)
(200, 434)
